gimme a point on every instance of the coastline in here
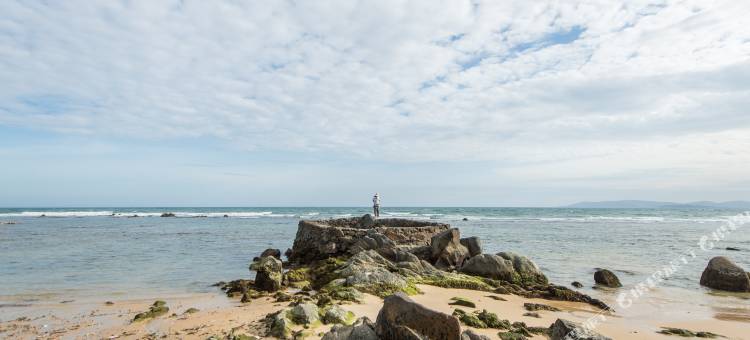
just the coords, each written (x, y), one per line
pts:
(220, 316)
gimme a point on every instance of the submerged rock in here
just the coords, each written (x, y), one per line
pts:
(268, 274)
(568, 330)
(607, 278)
(576, 284)
(446, 250)
(402, 318)
(168, 215)
(723, 274)
(489, 266)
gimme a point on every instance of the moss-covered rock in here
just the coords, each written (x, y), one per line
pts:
(511, 336)
(337, 315)
(492, 321)
(469, 319)
(158, 308)
(687, 333)
(532, 307)
(459, 301)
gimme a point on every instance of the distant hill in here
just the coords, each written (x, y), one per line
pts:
(635, 204)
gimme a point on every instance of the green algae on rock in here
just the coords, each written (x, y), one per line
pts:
(158, 308)
(459, 301)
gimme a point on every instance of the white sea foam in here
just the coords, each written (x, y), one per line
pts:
(58, 214)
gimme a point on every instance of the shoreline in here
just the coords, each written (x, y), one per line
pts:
(220, 316)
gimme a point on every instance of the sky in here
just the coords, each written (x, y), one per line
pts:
(323, 103)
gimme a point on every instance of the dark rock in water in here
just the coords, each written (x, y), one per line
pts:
(526, 269)
(225, 215)
(576, 284)
(568, 330)
(723, 274)
(271, 252)
(474, 244)
(607, 278)
(168, 215)
(471, 335)
(538, 306)
(268, 274)
(489, 266)
(362, 329)
(465, 219)
(401, 318)
(733, 249)
(446, 249)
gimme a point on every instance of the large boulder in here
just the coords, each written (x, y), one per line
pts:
(473, 244)
(568, 330)
(268, 273)
(607, 278)
(321, 239)
(723, 274)
(401, 318)
(446, 249)
(362, 329)
(526, 269)
(489, 266)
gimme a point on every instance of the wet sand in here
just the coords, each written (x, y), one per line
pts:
(221, 316)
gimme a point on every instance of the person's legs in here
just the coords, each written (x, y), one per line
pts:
(376, 210)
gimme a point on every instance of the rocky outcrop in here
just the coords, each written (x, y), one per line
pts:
(401, 318)
(318, 240)
(268, 274)
(370, 272)
(473, 244)
(489, 266)
(568, 330)
(526, 269)
(362, 329)
(607, 278)
(446, 250)
(723, 274)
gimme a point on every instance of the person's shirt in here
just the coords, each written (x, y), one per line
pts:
(376, 200)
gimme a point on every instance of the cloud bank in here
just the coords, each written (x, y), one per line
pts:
(541, 90)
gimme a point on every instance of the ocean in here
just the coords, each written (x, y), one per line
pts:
(95, 253)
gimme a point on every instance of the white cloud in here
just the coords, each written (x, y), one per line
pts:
(393, 80)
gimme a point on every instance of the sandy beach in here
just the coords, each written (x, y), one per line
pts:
(221, 316)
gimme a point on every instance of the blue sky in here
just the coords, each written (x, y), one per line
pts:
(469, 103)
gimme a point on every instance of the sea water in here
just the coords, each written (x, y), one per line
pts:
(63, 254)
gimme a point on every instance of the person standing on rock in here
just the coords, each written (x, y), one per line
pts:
(376, 205)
